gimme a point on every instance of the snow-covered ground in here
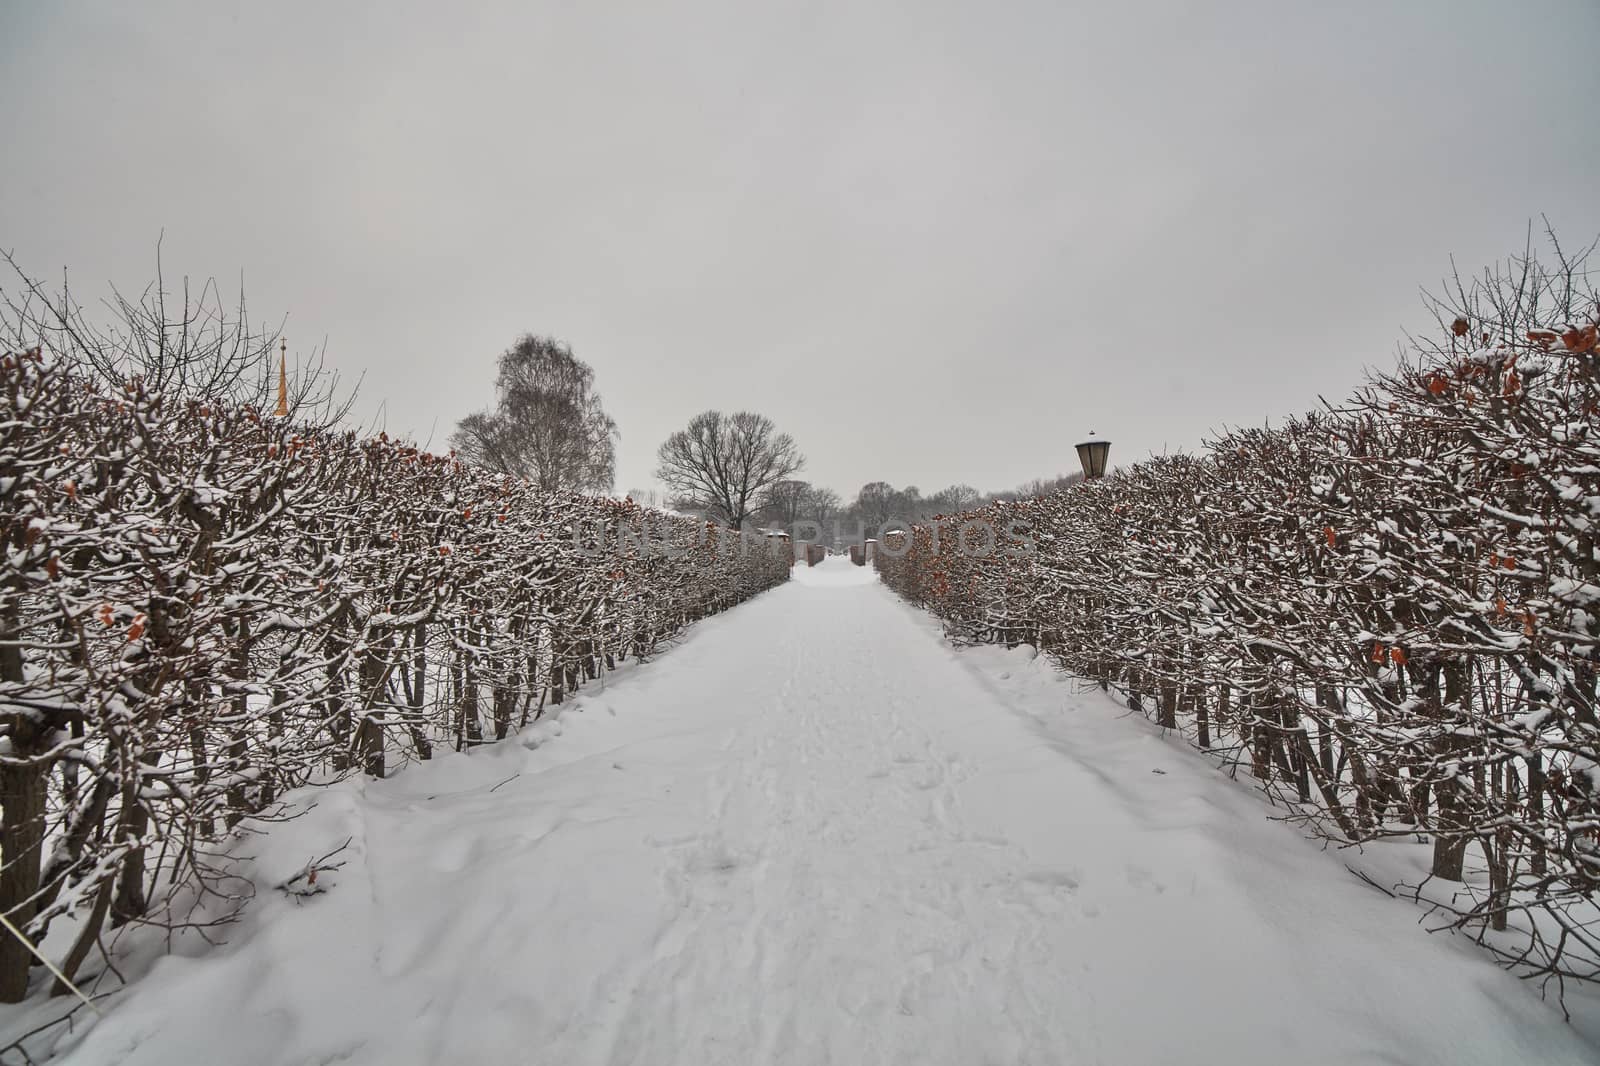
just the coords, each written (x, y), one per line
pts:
(813, 834)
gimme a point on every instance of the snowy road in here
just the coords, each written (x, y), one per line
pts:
(814, 834)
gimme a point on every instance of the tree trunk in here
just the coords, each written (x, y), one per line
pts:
(1449, 841)
(1295, 739)
(132, 825)
(1450, 834)
(85, 939)
(22, 814)
(505, 705)
(22, 808)
(415, 678)
(237, 795)
(369, 734)
(469, 730)
(1168, 716)
(1537, 864)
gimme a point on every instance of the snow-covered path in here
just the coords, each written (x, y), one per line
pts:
(815, 834)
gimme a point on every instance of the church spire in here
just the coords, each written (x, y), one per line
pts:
(283, 379)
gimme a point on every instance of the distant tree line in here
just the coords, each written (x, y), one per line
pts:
(817, 513)
(737, 469)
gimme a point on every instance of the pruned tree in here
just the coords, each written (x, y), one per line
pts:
(548, 424)
(724, 465)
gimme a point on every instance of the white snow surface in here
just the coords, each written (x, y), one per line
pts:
(815, 833)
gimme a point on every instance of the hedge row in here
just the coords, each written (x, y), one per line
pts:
(1388, 610)
(202, 608)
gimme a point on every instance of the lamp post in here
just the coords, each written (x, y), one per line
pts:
(1092, 454)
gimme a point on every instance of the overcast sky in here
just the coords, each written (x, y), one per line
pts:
(936, 242)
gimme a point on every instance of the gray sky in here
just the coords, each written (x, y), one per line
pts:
(934, 241)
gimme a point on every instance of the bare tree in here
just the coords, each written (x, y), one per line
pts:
(820, 505)
(879, 504)
(1039, 486)
(954, 499)
(650, 498)
(547, 424)
(185, 341)
(724, 465)
(784, 503)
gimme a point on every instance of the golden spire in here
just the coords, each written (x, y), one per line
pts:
(283, 379)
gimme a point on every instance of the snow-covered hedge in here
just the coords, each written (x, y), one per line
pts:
(202, 607)
(1389, 610)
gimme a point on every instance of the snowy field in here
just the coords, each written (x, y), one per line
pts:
(814, 833)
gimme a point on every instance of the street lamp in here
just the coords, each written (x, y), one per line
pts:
(1092, 454)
